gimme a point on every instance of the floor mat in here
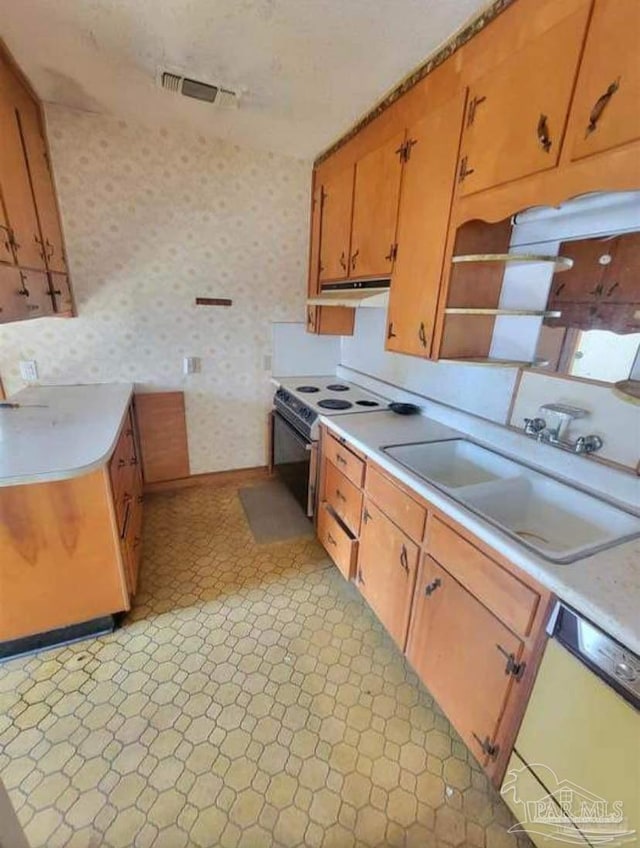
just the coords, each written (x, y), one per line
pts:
(273, 513)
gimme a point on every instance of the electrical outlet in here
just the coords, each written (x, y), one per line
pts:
(191, 365)
(29, 370)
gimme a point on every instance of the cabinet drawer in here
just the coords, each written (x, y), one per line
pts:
(512, 601)
(400, 508)
(344, 459)
(340, 546)
(343, 497)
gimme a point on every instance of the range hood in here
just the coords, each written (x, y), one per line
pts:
(372, 293)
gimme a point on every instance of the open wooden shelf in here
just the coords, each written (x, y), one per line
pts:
(513, 313)
(502, 363)
(560, 263)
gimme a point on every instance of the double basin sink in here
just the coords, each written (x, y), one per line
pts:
(554, 519)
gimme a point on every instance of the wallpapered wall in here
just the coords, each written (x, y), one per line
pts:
(153, 218)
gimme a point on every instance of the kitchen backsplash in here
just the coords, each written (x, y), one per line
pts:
(152, 219)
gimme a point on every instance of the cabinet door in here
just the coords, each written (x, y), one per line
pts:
(335, 237)
(313, 285)
(459, 650)
(41, 182)
(605, 111)
(15, 183)
(375, 210)
(386, 573)
(423, 219)
(516, 113)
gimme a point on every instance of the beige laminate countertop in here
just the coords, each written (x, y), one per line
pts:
(604, 587)
(59, 432)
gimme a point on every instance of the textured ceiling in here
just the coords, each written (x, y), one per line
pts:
(309, 67)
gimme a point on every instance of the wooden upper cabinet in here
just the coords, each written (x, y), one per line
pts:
(335, 223)
(425, 205)
(23, 294)
(35, 148)
(386, 573)
(516, 113)
(375, 210)
(15, 183)
(606, 110)
(460, 650)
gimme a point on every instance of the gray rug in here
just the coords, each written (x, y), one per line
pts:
(273, 513)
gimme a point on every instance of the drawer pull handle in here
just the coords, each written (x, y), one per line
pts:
(331, 540)
(354, 259)
(390, 333)
(543, 133)
(340, 495)
(343, 261)
(600, 105)
(366, 516)
(404, 558)
(121, 463)
(486, 745)
(430, 588)
(341, 459)
(125, 523)
(422, 335)
(359, 576)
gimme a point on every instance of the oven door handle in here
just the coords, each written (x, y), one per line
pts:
(292, 431)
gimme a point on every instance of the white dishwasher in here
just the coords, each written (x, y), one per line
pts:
(574, 776)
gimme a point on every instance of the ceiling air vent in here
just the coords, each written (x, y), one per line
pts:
(199, 90)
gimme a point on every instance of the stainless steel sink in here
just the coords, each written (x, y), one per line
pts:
(558, 521)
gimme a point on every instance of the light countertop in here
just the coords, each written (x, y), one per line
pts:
(60, 431)
(605, 587)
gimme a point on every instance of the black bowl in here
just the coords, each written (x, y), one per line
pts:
(404, 408)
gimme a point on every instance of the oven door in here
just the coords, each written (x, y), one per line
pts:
(293, 461)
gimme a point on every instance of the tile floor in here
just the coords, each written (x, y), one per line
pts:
(250, 699)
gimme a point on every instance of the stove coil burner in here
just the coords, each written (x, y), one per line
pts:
(367, 403)
(337, 387)
(334, 403)
(307, 390)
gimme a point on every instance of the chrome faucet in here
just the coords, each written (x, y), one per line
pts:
(553, 427)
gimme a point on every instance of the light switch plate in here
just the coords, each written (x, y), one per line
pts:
(191, 365)
(29, 370)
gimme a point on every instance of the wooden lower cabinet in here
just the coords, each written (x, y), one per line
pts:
(70, 549)
(386, 571)
(460, 650)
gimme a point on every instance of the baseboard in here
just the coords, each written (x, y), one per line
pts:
(235, 477)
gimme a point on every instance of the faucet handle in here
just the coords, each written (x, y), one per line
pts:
(533, 426)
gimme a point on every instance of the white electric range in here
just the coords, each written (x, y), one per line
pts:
(298, 404)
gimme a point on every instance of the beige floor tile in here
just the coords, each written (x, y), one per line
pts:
(250, 699)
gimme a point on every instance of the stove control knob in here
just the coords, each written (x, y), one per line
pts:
(625, 672)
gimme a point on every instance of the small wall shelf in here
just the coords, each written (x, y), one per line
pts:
(501, 363)
(560, 263)
(514, 313)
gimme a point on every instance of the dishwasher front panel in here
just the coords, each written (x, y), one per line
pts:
(581, 739)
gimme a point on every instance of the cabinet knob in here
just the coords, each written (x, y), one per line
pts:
(600, 105)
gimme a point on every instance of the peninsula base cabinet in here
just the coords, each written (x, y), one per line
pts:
(470, 623)
(69, 549)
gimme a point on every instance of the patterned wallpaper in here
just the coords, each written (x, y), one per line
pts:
(153, 218)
